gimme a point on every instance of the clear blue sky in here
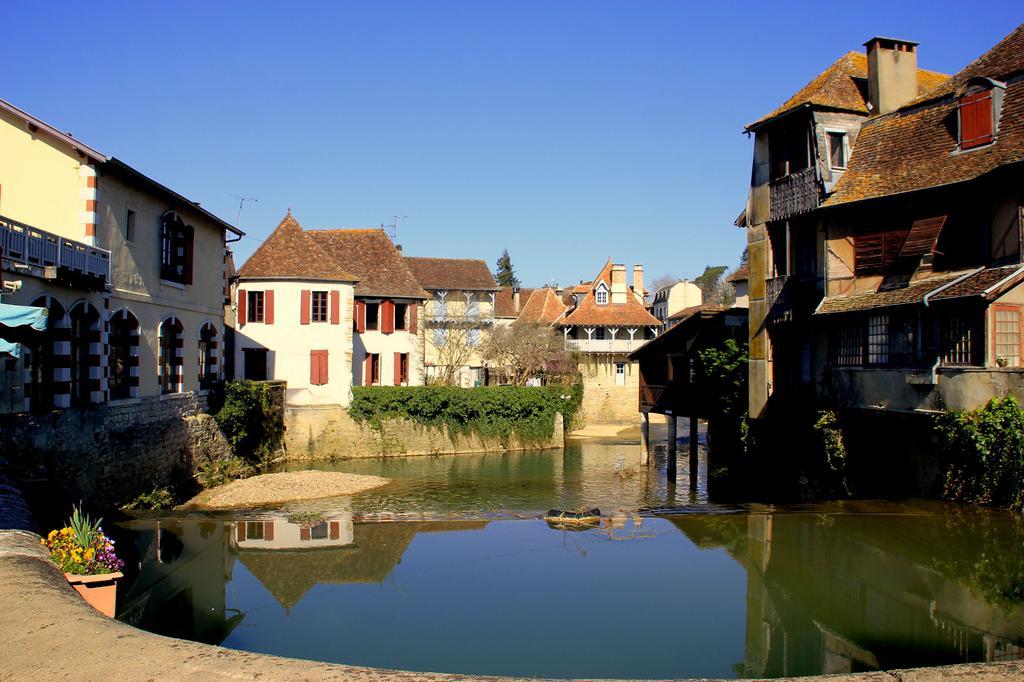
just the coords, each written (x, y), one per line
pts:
(566, 132)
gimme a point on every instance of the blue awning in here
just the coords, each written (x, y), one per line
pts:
(12, 348)
(23, 316)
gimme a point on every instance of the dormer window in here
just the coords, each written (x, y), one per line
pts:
(978, 112)
(601, 294)
(838, 151)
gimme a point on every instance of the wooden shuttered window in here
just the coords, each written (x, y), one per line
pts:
(387, 317)
(304, 305)
(268, 531)
(268, 306)
(335, 307)
(243, 297)
(924, 234)
(877, 251)
(335, 530)
(318, 367)
(360, 317)
(976, 121)
(398, 369)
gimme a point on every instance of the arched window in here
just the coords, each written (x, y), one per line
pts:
(123, 357)
(208, 354)
(86, 382)
(171, 346)
(175, 249)
(46, 386)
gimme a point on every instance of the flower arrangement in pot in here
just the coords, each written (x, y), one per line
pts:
(88, 560)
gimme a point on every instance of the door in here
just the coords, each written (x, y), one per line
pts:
(255, 364)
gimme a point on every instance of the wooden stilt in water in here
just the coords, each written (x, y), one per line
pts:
(645, 439)
(694, 465)
(670, 467)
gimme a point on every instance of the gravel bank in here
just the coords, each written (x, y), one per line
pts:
(270, 489)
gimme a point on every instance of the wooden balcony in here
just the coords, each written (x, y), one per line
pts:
(604, 345)
(794, 194)
(72, 261)
(651, 395)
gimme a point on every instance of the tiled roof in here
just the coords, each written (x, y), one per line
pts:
(915, 147)
(452, 274)
(504, 305)
(373, 258)
(632, 313)
(290, 253)
(694, 309)
(843, 86)
(740, 274)
(999, 279)
(544, 307)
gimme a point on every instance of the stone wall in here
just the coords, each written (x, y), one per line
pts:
(604, 401)
(107, 454)
(327, 432)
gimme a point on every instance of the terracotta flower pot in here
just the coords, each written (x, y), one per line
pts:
(100, 591)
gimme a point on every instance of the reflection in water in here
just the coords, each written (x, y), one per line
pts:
(764, 593)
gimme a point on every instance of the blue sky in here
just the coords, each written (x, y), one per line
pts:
(566, 132)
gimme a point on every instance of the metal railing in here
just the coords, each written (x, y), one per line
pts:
(604, 345)
(23, 243)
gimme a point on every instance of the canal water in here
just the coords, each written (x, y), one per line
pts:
(450, 568)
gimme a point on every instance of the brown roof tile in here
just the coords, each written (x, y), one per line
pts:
(632, 313)
(997, 279)
(290, 253)
(543, 307)
(452, 274)
(915, 147)
(504, 304)
(370, 254)
(843, 86)
(740, 274)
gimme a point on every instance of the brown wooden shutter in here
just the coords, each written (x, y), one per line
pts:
(360, 317)
(240, 531)
(268, 307)
(924, 234)
(314, 368)
(268, 531)
(304, 534)
(189, 238)
(976, 119)
(304, 306)
(335, 307)
(335, 530)
(324, 378)
(413, 308)
(243, 299)
(367, 370)
(869, 250)
(387, 317)
(398, 369)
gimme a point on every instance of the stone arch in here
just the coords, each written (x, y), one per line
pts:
(209, 354)
(123, 354)
(86, 375)
(47, 362)
(169, 364)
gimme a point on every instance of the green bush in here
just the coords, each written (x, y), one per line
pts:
(252, 423)
(502, 412)
(985, 451)
(156, 499)
(213, 473)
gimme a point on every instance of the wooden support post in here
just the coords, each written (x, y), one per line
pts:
(645, 439)
(694, 465)
(670, 464)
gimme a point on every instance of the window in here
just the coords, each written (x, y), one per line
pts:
(254, 309)
(319, 531)
(601, 294)
(175, 249)
(620, 374)
(207, 356)
(472, 307)
(599, 334)
(958, 340)
(255, 364)
(171, 339)
(401, 369)
(878, 339)
(254, 530)
(976, 119)
(440, 337)
(400, 312)
(129, 226)
(85, 331)
(473, 338)
(849, 346)
(372, 316)
(319, 306)
(837, 150)
(318, 374)
(123, 345)
(440, 305)
(1007, 335)
(371, 375)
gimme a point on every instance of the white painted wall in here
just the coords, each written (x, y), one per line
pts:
(400, 341)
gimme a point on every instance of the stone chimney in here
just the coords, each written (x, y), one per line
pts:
(515, 300)
(398, 247)
(638, 280)
(618, 293)
(892, 74)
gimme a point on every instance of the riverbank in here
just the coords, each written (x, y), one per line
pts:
(282, 488)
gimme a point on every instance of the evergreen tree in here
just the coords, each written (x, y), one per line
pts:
(505, 275)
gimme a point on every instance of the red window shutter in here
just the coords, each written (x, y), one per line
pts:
(314, 367)
(413, 308)
(387, 315)
(303, 534)
(368, 371)
(240, 531)
(304, 306)
(323, 367)
(976, 119)
(335, 307)
(360, 317)
(335, 530)
(268, 307)
(243, 298)
(398, 369)
(190, 235)
(268, 531)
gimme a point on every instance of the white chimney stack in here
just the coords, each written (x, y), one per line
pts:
(892, 74)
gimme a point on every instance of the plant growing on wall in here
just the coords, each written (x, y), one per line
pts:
(521, 352)
(252, 423)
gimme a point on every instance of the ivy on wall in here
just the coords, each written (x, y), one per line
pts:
(501, 412)
(251, 421)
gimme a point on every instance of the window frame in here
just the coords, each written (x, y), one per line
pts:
(324, 309)
(401, 312)
(375, 307)
(829, 133)
(1016, 309)
(255, 301)
(601, 294)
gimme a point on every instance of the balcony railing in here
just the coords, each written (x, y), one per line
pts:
(795, 194)
(38, 248)
(604, 345)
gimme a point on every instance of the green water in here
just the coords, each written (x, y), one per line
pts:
(449, 568)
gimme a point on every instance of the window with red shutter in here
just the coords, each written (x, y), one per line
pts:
(241, 308)
(398, 369)
(976, 121)
(268, 302)
(359, 319)
(335, 307)
(304, 304)
(387, 317)
(318, 362)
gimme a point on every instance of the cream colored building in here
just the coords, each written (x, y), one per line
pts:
(674, 298)
(131, 272)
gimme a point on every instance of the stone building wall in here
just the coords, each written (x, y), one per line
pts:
(108, 454)
(327, 432)
(604, 401)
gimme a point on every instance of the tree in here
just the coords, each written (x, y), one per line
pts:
(505, 275)
(663, 281)
(453, 346)
(525, 351)
(713, 287)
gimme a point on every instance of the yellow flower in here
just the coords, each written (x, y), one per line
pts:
(52, 535)
(88, 554)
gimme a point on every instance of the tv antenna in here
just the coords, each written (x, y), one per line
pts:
(392, 229)
(241, 202)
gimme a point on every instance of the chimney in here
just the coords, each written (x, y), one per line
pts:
(399, 247)
(515, 300)
(638, 279)
(892, 74)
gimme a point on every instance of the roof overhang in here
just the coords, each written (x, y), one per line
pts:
(86, 150)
